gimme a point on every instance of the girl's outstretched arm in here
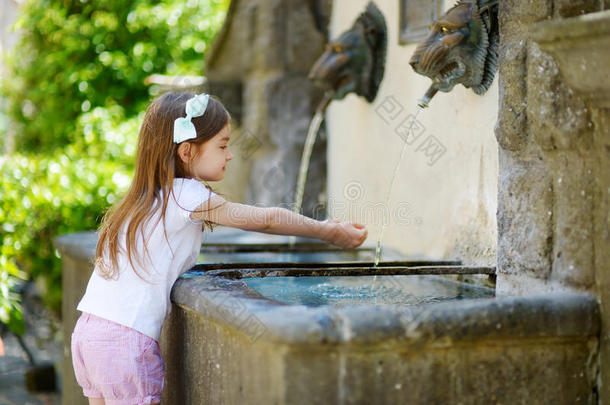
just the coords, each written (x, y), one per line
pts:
(280, 221)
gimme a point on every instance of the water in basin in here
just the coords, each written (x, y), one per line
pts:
(361, 290)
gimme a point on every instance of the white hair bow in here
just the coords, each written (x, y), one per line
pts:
(183, 126)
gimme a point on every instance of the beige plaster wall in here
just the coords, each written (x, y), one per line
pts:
(443, 210)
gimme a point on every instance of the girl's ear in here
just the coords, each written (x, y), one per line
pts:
(185, 151)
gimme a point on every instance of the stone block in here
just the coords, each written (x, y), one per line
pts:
(515, 18)
(291, 101)
(525, 198)
(255, 110)
(579, 45)
(269, 35)
(573, 252)
(516, 15)
(77, 251)
(573, 8)
(277, 35)
(278, 114)
(304, 42)
(601, 117)
(511, 127)
(557, 117)
(230, 93)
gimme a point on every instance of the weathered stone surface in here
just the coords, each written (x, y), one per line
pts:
(479, 351)
(522, 12)
(602, 194)
(288, 102)
(291, 101)
(558, 118)
(268, 35)
(304, 41)
(266, 48)
(77, 251)
(576, 44)
(525, 198)
(466, 375)
(573, 247)
(511, 131)
(231, 95)
(567, 100)
(572, 8)
(601, 239)
(547, 219)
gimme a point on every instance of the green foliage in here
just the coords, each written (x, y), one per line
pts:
(75, 96)
(10, 308)
(74, 56)
(41, 198)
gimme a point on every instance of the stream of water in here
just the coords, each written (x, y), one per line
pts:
(389, 195)
(314, 127)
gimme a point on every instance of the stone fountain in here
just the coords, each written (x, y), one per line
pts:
(543, 339)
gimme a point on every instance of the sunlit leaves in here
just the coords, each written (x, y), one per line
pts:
(112, 46)
(43, 197)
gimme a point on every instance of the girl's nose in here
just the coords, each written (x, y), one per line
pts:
(229, 156)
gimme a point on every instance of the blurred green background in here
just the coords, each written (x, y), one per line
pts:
(73, 100)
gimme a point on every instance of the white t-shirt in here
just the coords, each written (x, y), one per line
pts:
(143, 305)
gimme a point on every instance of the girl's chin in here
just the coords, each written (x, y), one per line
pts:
(218, 177)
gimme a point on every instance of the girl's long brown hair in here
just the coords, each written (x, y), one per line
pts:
(157, 164)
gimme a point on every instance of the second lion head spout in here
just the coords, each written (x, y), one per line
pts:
(355, 61)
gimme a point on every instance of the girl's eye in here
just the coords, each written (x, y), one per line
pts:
(223, 147)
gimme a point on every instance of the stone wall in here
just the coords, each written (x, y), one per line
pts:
(259, 67)
(549, 178)
(554, 136)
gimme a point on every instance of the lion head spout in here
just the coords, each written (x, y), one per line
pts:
(355, 61)
(461, 48)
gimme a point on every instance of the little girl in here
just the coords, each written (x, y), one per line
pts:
(154, 235)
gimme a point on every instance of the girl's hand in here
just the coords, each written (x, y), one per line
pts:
(347, 235)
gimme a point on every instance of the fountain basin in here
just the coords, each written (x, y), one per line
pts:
(224, 342)
(225, 248)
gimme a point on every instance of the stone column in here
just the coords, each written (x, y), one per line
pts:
(601, 240)
(268, 46)
(546, 190)
(554, 136)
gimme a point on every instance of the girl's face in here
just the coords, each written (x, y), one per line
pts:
(210, 163)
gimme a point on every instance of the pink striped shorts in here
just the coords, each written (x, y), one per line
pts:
(117, 363)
